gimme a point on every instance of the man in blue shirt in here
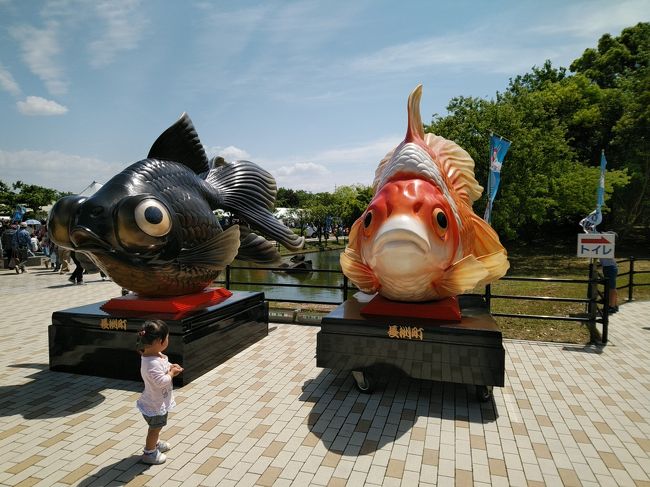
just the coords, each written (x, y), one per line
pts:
(21, 243)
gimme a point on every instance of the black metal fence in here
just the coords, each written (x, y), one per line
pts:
(631, 284)
(596, 303)
(596, 299)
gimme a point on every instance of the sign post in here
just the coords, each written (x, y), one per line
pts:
(596, 245)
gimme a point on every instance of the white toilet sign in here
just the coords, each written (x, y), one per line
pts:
(597, 245)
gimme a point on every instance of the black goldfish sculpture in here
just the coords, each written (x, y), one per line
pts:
(152, 229)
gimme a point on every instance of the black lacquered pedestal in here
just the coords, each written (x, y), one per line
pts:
(88, 340)
(466, 352)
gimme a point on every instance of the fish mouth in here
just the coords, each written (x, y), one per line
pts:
(402, 233)
(85, 240)
(400, 247)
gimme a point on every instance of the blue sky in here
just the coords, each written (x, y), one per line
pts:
(314, 91)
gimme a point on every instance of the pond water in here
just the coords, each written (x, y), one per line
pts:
(278, 285)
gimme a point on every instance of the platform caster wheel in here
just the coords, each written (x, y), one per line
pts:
(362, 381)
(483, 393)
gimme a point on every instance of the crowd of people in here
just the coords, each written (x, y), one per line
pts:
(19, 242)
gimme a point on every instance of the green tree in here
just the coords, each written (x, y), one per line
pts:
(621, 65)
(31, 196)
(557, 124)
(287, 198)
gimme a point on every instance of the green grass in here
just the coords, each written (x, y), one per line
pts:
(565, 267)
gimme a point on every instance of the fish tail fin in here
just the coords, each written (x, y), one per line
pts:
(489, 250)
(255, 248)
(249, 191)
(462, 276)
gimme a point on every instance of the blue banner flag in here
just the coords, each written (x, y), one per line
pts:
(601, 184)
(498, 149)
(591, 221)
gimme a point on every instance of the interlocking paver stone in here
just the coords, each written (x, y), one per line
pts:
(568, 414)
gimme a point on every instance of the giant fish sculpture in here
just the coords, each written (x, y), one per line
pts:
(419, 239)
(152, 229)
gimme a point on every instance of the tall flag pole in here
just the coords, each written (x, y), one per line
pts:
(591, 221)
(498, 148)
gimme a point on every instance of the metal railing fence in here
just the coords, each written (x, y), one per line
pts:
(596, 300)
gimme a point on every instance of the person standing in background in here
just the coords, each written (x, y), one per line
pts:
(610, 271)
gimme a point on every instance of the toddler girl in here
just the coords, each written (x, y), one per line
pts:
(157, 398)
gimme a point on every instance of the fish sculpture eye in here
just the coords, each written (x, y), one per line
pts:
(368, 219)
(440, 222)
(152, 218)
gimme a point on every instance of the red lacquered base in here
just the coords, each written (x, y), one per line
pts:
(175, 304)
(443, 310)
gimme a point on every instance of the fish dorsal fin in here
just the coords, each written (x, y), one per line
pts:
(180, 143)
(415, 129)
(457, 164)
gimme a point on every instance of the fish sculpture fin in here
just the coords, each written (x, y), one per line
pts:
(180, 143)
(496, 265)
(486, 240)
(254, 248)
(457, 164)
(219, 251)
(360, 274)
(415, 129)
(249, 191)
(462, 276)
(489, 250)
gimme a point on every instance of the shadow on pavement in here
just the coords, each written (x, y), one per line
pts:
(125, 471)
(56, 394)
(340, 411)
(590, 348)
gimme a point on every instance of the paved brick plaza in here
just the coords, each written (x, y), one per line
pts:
(568, 415)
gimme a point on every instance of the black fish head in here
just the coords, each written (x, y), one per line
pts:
(130, 227)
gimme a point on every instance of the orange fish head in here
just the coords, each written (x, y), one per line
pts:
(408, 232)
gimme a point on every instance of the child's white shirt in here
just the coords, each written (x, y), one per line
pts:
(158, 397)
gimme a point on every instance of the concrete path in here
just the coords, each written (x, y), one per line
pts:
(568, 415)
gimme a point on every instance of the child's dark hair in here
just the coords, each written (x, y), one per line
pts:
(151, 331)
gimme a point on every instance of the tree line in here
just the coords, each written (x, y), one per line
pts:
(559, 120)
(30, 196)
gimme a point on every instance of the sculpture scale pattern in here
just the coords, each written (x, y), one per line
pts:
(152, 229)
(419, 239)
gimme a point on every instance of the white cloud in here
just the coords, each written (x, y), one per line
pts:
(300, 168)
(53, 169)
(589, 21)
(508, 50)
(502, 55)
(40, 48)
(333, 167)
(124, 29)
(7, 82)
(37, 106)
(230, 153)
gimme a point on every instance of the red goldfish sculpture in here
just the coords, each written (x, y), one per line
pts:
(419, 239)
